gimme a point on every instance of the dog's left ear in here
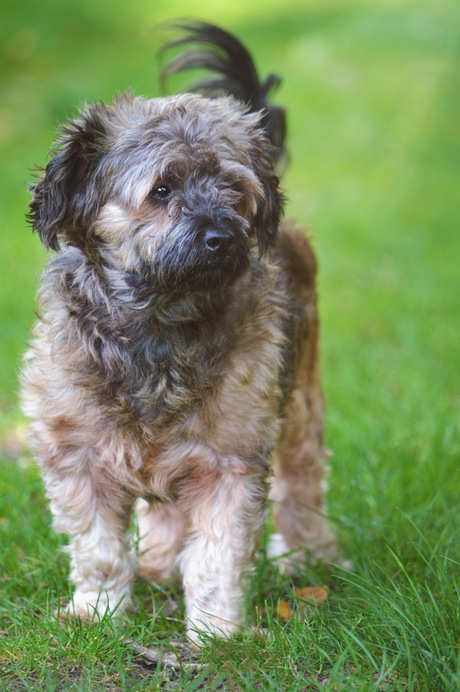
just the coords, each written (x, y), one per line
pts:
(66, 200)
(269, 211)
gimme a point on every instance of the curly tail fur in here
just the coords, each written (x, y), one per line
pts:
(236, 75)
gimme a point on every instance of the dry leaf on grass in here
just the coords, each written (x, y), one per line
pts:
(312, 594)
(306, 595)
(284, 610)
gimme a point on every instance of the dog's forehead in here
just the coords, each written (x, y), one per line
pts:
(184, 134)
(188, 124)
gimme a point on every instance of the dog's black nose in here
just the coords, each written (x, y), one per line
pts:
(218, 240)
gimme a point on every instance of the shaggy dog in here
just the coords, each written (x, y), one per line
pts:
(174, 365)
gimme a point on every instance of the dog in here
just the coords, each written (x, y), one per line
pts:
(173, 371)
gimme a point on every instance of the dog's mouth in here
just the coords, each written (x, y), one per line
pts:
(217, 261)
(206, 259)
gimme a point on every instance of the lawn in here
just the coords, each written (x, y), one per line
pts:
(372, 91)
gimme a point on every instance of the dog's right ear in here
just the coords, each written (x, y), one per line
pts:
(66, 200)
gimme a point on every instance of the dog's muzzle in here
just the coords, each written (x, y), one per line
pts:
(218, 242)
(209, 254)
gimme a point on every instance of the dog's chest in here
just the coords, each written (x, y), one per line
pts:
(236, 421)
(165, 377)
(219, 385)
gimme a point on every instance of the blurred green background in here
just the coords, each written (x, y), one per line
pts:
(372, 91)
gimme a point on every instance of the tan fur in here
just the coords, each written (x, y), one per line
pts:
(166, 370)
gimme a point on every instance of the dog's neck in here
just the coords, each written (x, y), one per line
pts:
(127, 299)
(174, 308)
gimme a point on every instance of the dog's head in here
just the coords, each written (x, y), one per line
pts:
(178, 191)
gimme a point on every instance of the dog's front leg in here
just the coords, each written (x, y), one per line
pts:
(96, 517)
(225, 509)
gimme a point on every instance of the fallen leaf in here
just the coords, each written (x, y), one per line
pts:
(312, 593)
(307, 594)
(284, 610)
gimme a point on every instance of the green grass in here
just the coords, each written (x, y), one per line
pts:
(374, 130)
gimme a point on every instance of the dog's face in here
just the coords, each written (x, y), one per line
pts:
(176, 192)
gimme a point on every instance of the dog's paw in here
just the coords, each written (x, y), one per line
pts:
(161, 532)
(92, 606)
(204, 625)
(281, 555)
(285, 558)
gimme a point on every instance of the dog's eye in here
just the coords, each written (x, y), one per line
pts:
(161, 192)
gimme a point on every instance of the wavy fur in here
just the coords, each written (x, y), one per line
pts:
(174, 362)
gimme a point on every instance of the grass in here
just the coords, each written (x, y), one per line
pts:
(374, 106)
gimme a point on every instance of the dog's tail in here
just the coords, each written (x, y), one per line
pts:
(236, 75)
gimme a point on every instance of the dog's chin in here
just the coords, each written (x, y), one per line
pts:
(207, 277)
(226, 270)
(214, 279)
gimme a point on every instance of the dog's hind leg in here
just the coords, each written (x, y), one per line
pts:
(161, 533)
(300, 467)
(298, 487)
